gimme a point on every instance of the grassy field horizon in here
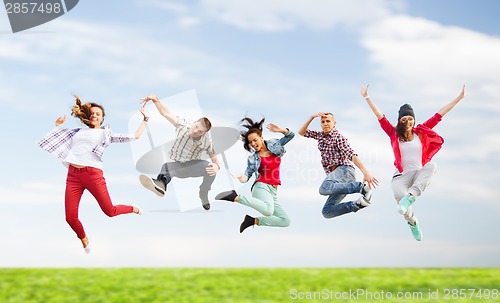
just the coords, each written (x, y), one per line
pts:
(125, 285)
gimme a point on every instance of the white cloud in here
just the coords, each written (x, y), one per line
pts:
(422, 56)
(282, 15)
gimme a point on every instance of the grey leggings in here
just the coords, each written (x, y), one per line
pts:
(413, 182)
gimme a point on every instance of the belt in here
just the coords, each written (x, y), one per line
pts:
(333, 167)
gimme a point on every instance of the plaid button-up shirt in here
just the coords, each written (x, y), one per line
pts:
(186, 148)
(334, 149)
(59, 141)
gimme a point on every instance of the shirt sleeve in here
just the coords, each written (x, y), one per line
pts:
(344, 147)
(122, 138)
(58, 141)
(249, 171)
(210, 147)
(311, 134)
(433, 121)
(181, 122)
(287, 137)
(386, 126)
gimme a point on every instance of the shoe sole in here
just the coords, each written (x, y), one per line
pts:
(148, 183)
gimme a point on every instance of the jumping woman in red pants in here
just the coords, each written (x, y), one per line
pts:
(81, 151)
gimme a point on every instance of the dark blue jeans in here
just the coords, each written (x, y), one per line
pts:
(337, 185)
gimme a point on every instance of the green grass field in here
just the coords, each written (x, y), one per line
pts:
(248, 285)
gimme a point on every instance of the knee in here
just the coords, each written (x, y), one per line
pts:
(286, 222)
(326, 214)
(268, 212)
(431, 166)
(110, 212)
(323, 191)
(72, 220)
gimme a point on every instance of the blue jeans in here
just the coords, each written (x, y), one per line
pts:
(338, 184)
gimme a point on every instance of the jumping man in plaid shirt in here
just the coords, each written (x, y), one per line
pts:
(337, 158)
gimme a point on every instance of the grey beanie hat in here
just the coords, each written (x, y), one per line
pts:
(405, 110)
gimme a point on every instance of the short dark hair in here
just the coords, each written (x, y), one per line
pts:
(205, 122)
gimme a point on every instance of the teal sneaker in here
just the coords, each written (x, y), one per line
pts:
(405, 203)
(415, 230)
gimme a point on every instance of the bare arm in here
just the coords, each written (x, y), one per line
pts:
(162, 108)
(367, 176)
(276, 129)
(373, 106)
(445, 109)
(303, 129)
(214, 167)
(140, 130)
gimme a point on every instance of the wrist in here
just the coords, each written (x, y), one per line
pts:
(146, 119)
(366, 97)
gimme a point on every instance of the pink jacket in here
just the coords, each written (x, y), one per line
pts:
(431, 141)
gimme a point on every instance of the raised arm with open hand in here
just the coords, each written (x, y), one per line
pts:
(364, 92)
(161, 107)
(445, 109)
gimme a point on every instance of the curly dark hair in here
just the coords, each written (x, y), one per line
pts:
(250, 128)
(82, 111)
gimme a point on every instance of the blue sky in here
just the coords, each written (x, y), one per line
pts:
(284, 60)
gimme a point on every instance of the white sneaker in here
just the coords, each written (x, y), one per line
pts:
(88, 248)
(366, 192)
(362, 203)
(139, 210)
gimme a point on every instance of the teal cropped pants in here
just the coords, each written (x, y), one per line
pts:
(264, 200)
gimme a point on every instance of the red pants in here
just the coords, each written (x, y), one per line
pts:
(91, 179)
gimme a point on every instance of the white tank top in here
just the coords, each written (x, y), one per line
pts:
(84, 141)
(411, 154)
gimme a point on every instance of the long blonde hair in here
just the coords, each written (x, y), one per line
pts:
(82, 111)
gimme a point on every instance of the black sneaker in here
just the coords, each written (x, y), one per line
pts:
(229, 195)
(247, 222)
(156, 186)
(204, 199)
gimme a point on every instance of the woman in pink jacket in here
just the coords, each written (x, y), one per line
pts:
(413, 147)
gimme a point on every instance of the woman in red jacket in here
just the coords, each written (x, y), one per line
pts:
(413, 147)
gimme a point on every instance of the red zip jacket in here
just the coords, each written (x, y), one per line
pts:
(431, 141)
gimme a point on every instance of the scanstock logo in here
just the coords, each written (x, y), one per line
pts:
(25, 14)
